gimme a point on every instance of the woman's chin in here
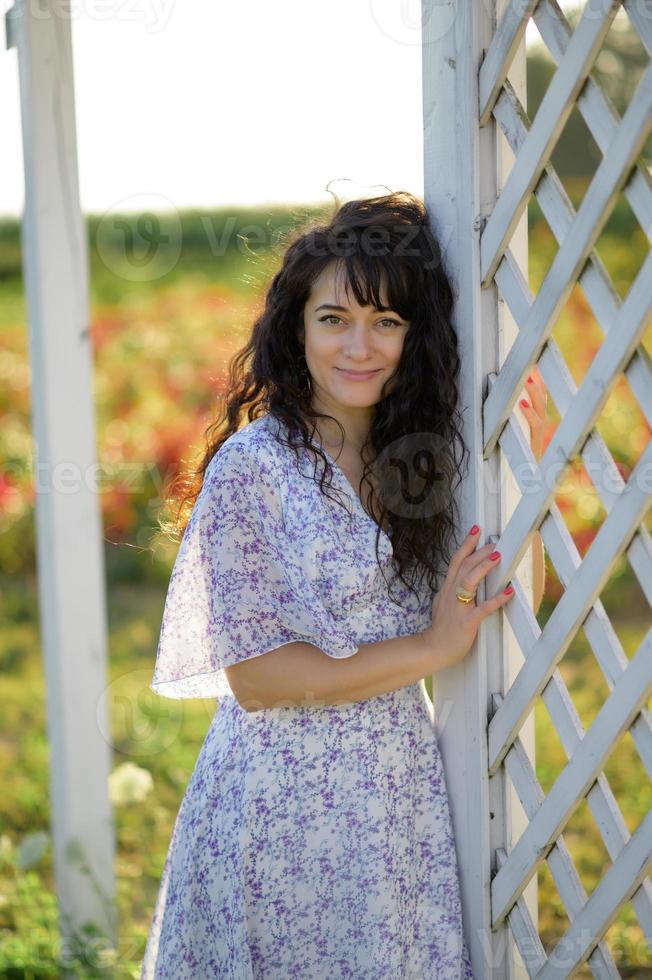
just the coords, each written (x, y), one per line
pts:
(362, 400)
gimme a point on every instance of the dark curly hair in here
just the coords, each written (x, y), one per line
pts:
(373, 240)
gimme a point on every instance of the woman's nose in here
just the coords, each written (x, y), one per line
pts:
(359, 343)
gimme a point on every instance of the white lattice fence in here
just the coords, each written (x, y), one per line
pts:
(626, 503)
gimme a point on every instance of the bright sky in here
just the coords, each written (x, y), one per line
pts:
(200, 103)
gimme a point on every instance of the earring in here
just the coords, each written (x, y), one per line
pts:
(306, 391)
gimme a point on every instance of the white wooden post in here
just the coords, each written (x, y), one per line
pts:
(463, 173)
(484, 160)
(70, 557)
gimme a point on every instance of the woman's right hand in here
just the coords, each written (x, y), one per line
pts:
(454, 623)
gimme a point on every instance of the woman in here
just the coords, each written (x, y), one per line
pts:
(314, 839)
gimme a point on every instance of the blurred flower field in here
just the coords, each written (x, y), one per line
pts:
(161, 349)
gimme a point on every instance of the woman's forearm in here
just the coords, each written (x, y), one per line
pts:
(301, 675)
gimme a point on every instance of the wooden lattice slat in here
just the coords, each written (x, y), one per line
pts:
(614, 718)
(603, 640)
(504, 45)
(620, 881)
(625, 502)
(555, 108)
(611, 658)
(597, 110)
(572, 609)
(526, 936)
(568, 882)
(558, 211)
(628, 510)
(560, 279)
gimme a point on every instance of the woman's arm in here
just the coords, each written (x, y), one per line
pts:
(301, 675)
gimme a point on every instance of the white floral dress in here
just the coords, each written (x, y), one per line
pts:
(311, 842)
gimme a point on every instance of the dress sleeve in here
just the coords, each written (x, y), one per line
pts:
(236, 590)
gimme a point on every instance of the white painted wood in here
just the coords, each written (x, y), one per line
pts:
(605, 646)
(559, 212)
(523, 929)
(621, 879)
(452, 42)
(463, 175)
(571, 434)
(603, 805)
(639, 15)
(604, 642)
(504, 47)
(551, 117)
(595, 455)
(503, 796)
(571, 610)
(597, 110)
(591, 217)
(626, 503)
(69, 538)
(617, 713)
(614, 662)
(567, 881)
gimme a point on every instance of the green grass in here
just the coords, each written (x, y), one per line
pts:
(164, 737)
(159, 735)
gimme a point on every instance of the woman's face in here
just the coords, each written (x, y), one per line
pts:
(341, 336)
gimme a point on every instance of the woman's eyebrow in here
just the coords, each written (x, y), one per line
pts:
(345, 309)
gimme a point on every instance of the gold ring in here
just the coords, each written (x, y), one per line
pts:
(463, 594)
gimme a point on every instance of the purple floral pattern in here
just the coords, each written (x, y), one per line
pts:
(312, 842)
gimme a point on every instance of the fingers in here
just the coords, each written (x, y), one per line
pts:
(467, 547)
(469, 555)
(537, 392)
(491, 605)
(479, 557)
(471, 575)
(471, 564)
(477, 564)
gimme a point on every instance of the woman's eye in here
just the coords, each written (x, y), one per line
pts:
(386, 320)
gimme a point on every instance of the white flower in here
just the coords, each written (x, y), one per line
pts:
(129, 784)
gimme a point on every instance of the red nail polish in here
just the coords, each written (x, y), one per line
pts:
(530, 378)
(524, 404)
(509, 590)
(474, 529)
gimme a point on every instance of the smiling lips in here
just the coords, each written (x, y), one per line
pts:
(358, 375)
